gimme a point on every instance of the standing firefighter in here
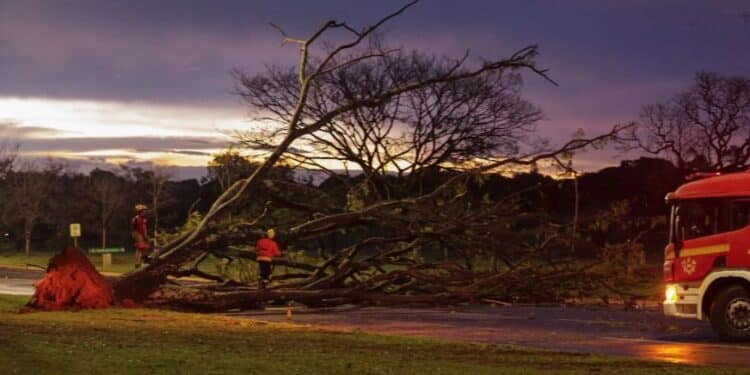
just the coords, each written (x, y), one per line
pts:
(139, 232)
(266, 249)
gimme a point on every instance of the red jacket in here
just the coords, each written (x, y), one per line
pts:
(139, 228)
(266, 249)
(139, 225)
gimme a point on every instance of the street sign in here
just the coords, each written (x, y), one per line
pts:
(75, 230)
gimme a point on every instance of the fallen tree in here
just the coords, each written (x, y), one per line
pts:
(423, 133)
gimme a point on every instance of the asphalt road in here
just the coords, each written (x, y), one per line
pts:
(18, 281)
(641, 334)
(645, 334)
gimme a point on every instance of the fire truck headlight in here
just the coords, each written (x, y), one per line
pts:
(670, 294)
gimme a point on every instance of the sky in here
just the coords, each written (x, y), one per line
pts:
(108, 82)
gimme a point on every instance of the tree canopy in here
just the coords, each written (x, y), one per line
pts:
(705, 128)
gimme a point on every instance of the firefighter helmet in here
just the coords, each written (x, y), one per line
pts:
(140, 207)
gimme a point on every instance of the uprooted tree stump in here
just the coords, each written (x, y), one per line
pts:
(71, 281)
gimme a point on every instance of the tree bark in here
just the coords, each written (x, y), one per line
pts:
(211, 300)
(27, 243)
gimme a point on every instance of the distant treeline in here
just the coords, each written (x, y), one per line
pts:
(105, 199)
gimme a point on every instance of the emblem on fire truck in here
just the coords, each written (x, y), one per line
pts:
(688, 265)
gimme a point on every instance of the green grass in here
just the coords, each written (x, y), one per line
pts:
(121, 262)
(140, 341)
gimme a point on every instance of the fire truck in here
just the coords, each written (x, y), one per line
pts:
(707, 260)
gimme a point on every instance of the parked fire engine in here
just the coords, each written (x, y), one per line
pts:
(707, 260)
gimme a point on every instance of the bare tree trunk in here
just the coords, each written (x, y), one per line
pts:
(576, 207)
(156, 226)
(104, 237)
(27, 242)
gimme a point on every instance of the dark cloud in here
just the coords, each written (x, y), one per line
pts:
(610, 57)
(189, 152)
(181, 145)
(85, 165)
(12, 130)
(182, 50)
(221, 17)
(141, 50)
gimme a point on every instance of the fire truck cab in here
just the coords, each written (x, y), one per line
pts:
(707, 260)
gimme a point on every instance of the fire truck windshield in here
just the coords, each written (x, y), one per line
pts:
(695, 218)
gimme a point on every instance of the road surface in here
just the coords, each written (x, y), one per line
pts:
(641, 334)
(645, 334)
(18, 282)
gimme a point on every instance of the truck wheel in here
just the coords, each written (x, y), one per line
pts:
(730, 313)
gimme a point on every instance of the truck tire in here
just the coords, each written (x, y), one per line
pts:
(730, 313)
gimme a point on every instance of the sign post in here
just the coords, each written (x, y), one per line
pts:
(75, 232)
(107, 255)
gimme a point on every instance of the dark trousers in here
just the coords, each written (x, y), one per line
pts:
(265, 269)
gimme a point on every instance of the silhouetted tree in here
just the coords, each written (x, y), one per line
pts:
(8, 155)
(228, 167)
(441, 125)
(704, 128)
(109, 192)
(159, 178)
(27, 194)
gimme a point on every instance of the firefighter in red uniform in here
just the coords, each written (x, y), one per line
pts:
(266, 249)
(139, 231)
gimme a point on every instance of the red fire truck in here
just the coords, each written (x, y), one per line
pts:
(707, 260)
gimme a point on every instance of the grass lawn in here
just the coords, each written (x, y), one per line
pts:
(140, 341)
(121, 262)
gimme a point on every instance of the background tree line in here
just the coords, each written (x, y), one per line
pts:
(41, 199)
(44, 198)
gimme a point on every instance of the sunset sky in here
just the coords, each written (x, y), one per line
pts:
(148, 81)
